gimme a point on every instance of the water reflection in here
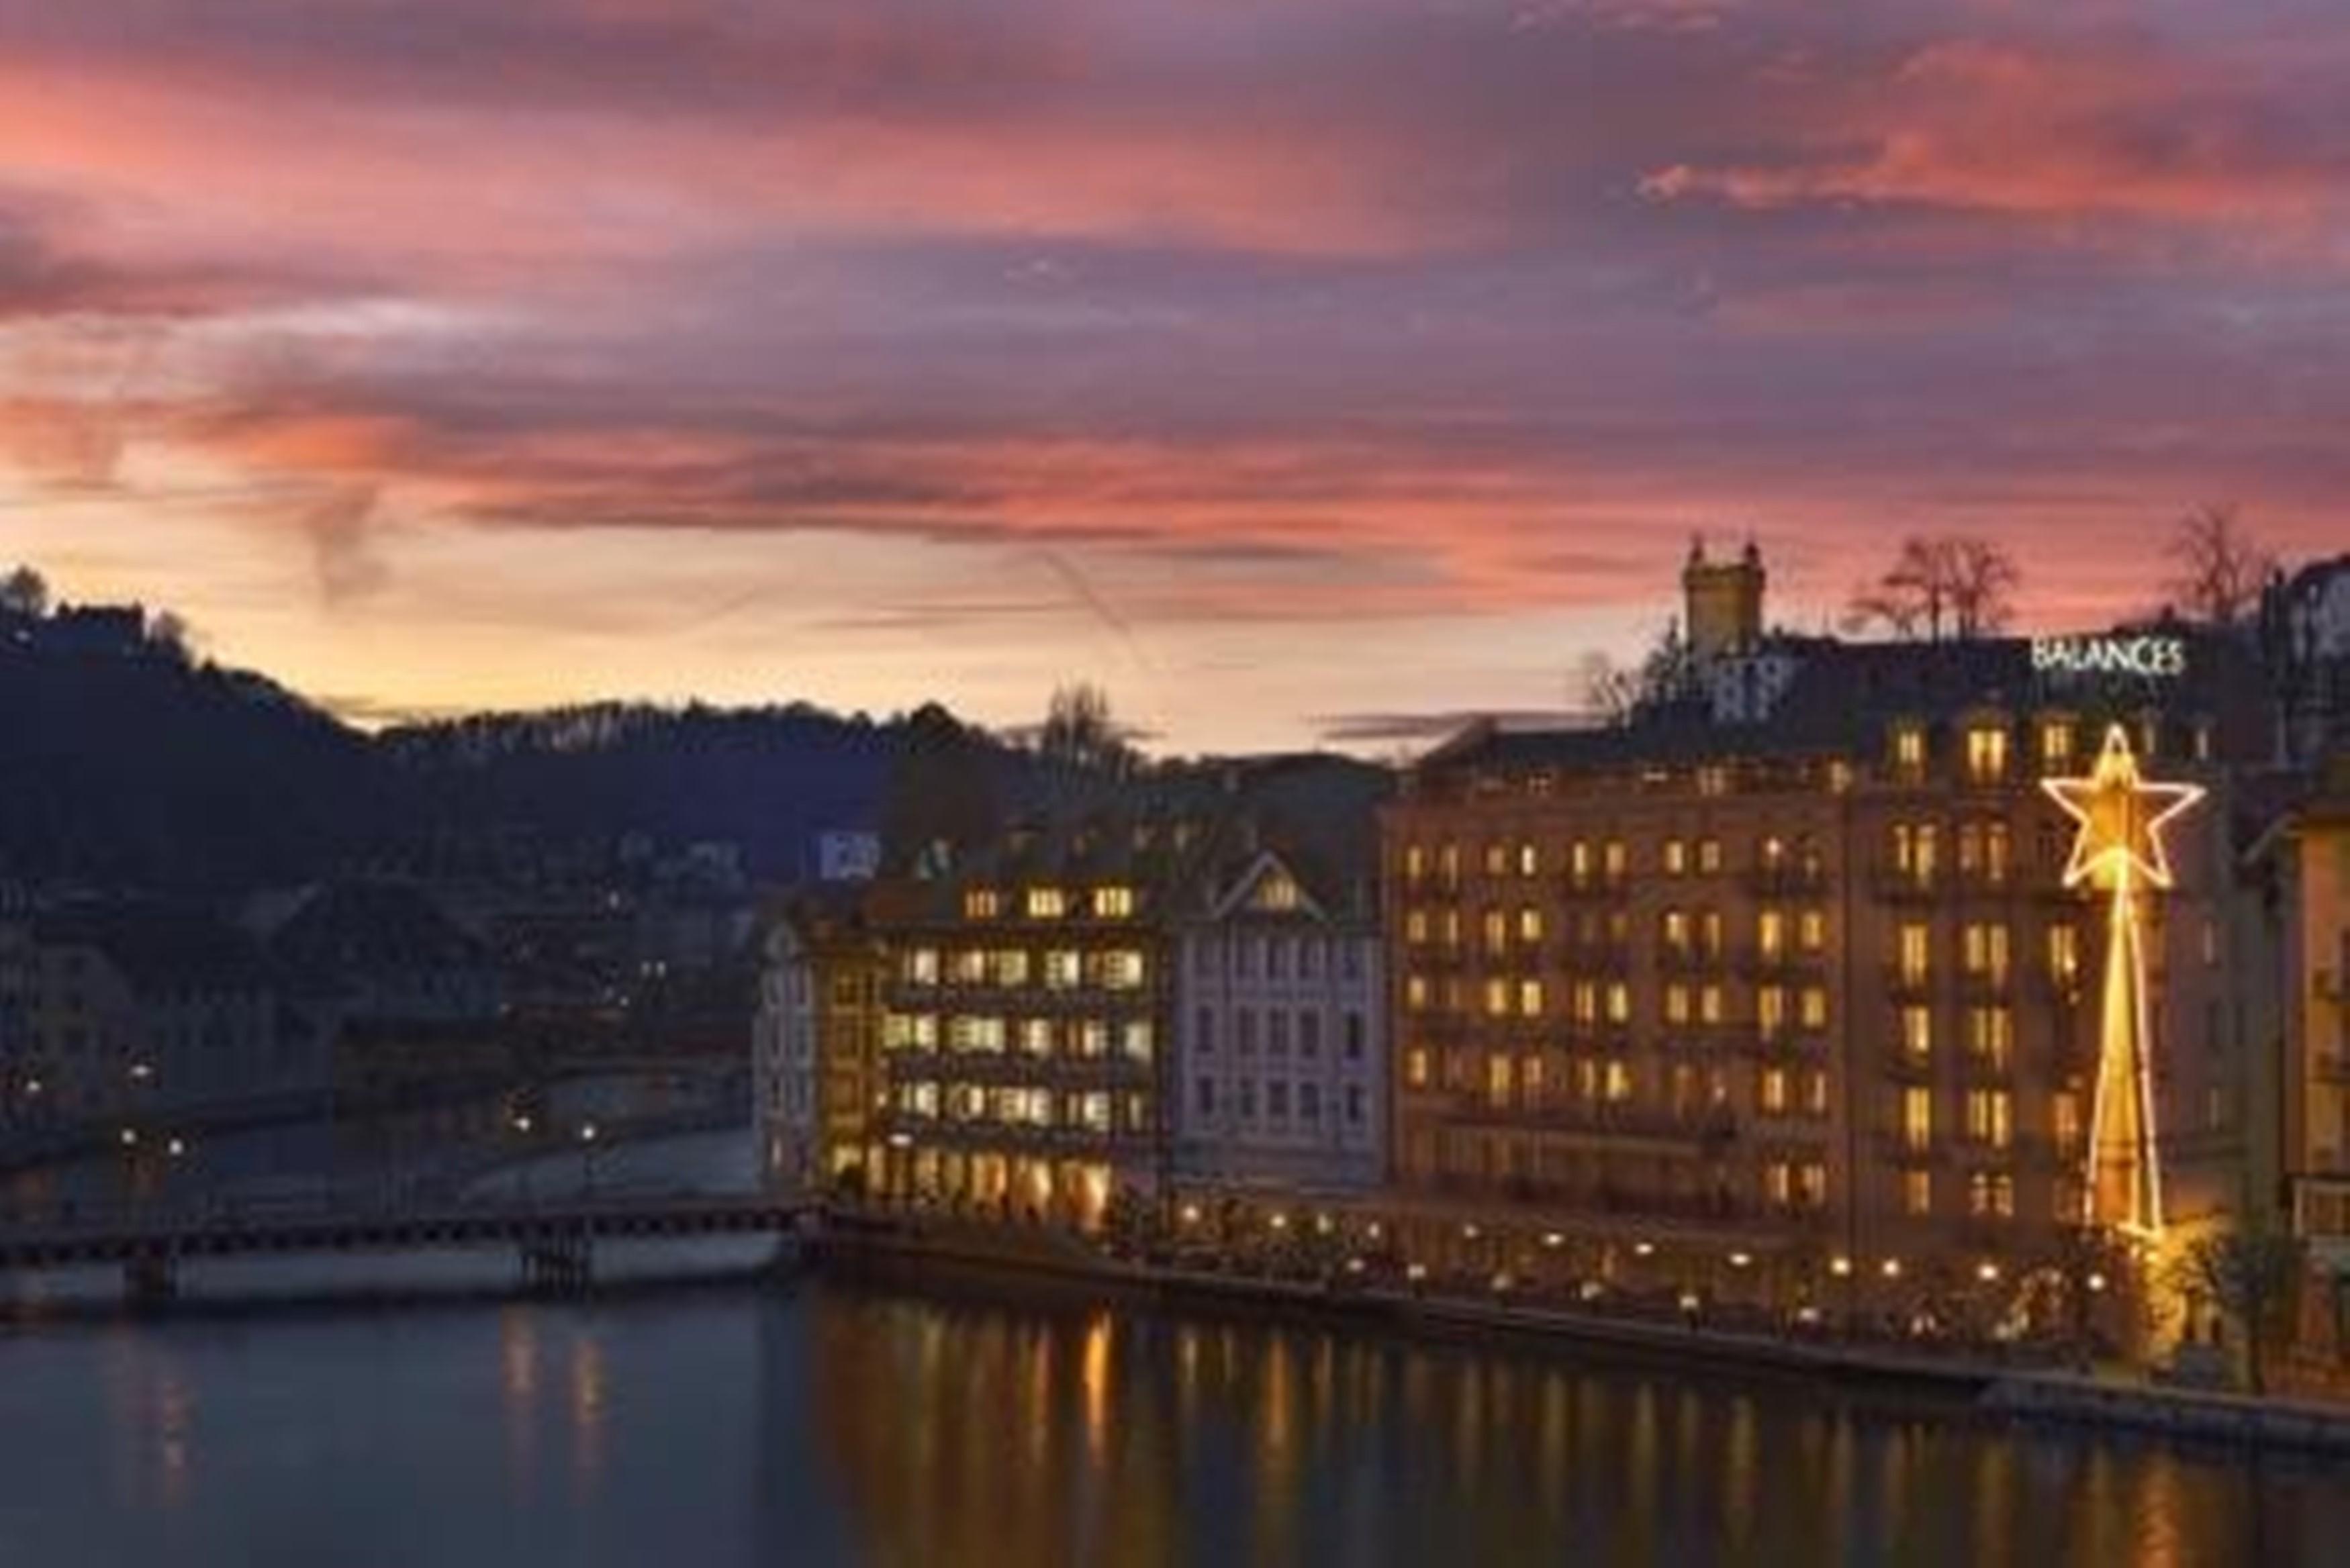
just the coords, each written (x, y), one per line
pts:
(1200, 1443)
(846, 1424)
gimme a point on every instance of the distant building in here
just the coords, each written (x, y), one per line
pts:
(1281, 1066)
(380, 951)
(2304, 630)
(844, 857)
(145, 1008)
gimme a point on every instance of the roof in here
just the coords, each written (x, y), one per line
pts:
(343, 927)
(1844, 694)
(161, 949)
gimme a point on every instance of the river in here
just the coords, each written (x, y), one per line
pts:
(826, 1422)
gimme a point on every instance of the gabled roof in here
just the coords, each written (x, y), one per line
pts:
(163, 949)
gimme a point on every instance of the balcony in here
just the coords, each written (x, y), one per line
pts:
(1786, 881)
(1894, 886)
(2320, 1216)
(1910, 1066)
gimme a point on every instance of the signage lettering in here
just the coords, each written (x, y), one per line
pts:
(2153, 658)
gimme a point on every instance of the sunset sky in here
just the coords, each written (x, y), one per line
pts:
(1287, 366)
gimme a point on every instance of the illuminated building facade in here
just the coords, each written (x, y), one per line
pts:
(816, 1080)
(1801, 1008)
(1025, 1007)
(2312, 855)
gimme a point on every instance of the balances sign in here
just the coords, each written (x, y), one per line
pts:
(2163, 658)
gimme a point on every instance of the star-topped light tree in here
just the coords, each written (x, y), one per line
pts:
(2119, 853)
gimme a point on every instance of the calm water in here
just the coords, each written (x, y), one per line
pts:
(747, 1424)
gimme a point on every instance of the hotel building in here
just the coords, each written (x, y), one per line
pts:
(1778, 992)
(2311, 855)
(1035, 991)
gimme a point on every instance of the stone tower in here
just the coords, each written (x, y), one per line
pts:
(1724, 601)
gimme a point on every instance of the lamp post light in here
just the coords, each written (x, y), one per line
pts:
(588, 1136)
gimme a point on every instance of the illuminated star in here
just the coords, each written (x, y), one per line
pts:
(2122, 816)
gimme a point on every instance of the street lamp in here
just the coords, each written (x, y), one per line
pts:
(587, 1133)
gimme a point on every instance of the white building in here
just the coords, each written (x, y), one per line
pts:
(1280, 1075)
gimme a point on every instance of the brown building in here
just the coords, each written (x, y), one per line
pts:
(2312, 855)
(816, 1081)
(1026, 1010)
(1778, 992)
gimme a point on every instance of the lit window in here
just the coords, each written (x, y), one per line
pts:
(1812, 1007)
(1618, 1082)
(1676, 1003)
(1122, 970)
(1983, 951)
(1277, 893)
(1529, 860)
(1497, 998)
(1916, 1193)
(1578, 860)
(1530, 924)
(2064, 955)
(1619, 1003)
(1909, 749)
(1812, 930)
(1497, 859)
(1708, 857)
(1771, 1011)
(982, 904)
(1496, 926)
(1613, 860)
(1064, 969)
(1415, 1067)
(1987, 754)
(1916, 954)
(1673, 930)
(1991, 1116)
(1114, 903)
(1046, 903)
(1916, 1032)
(1415, 993)
(1415, 862)
(1773, 1091)
(1530, 998)
(1497, 1081)
(922, 966)
(1771, 935)
(1990, 1195)
(1415, 927)
(2056, 742)
(1709, 1005)
(1676, 856)
(1916, 1118)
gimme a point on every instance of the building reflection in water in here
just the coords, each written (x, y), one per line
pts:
(971, 1434)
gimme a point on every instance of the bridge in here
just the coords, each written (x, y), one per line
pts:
(554, 1240)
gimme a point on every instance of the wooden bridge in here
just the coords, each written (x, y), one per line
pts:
(555, 1239)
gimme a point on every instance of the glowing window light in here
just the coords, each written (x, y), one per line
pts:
(2119, 852)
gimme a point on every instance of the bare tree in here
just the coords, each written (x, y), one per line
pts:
(1610, 693)
(1951, 585)
(1616, 695)
(2253, 1276)
(2221, 569)
(1981, 580)
(25, 593)
(1080, 731)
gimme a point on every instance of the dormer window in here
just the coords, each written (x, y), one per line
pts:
(1909, 749)
(1276, 893)
(982, 904)
(1114, 902)
(1046, 904)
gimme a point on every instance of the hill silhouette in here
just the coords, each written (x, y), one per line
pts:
(126, 763)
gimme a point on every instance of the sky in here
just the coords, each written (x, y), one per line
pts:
(1302, 370)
